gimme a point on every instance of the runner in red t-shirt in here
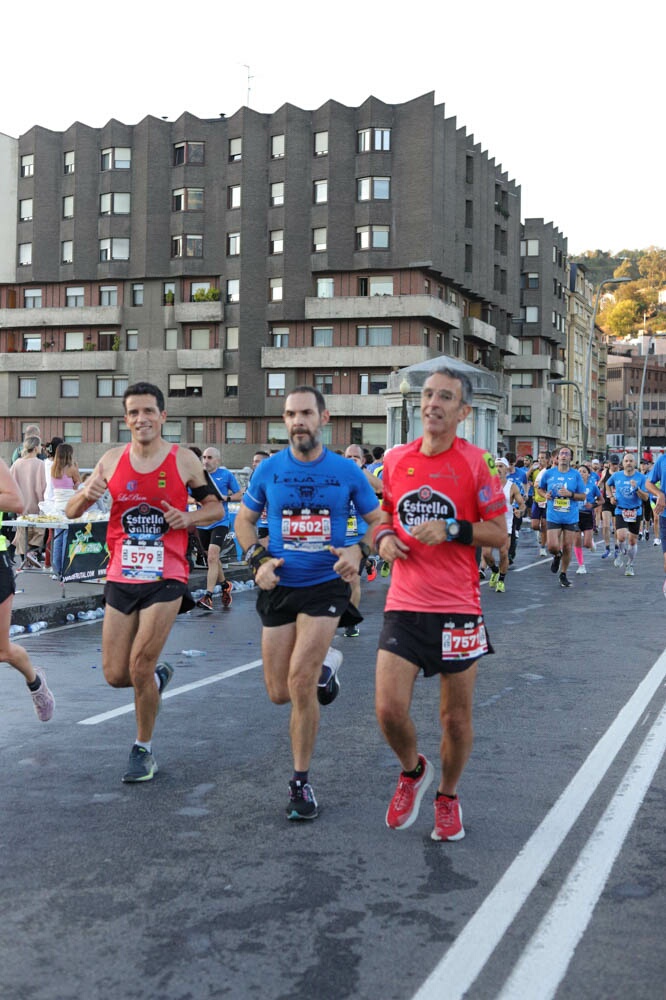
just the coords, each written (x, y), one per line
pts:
(442, 498)
(147, 538)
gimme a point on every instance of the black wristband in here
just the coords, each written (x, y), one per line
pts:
(465, 536)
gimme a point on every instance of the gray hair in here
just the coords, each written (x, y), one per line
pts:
(30, 444)
(466, 387)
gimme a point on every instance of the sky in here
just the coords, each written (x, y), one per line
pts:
(562, 95)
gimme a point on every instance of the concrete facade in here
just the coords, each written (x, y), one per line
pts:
(334, 247)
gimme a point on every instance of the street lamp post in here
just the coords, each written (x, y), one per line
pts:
(585, 411)
(563, 381)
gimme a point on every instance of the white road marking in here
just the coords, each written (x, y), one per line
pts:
(94, 720)
(544, 962)
(462, 963)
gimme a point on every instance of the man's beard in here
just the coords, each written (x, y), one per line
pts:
(305, 444)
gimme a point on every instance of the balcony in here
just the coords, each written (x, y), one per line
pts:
(61, 361)
(200, 359)
(508, 344)
(398, 356)
(351, 404)
(378, 307)
(69, 318)
(476, 330)
(557, 367)
(198, 312)
(530, 362)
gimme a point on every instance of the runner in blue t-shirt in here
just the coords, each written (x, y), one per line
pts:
(657, 477)
(563, 488)
(627, 490)
(213, 536)
(305, 576)
(356, 529)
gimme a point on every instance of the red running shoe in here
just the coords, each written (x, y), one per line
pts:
(226, 594)
(404, 807)
(371, 570)
(448, 819)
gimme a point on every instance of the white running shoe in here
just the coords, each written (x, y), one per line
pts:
(629, 571)
(580, 570)
(657, 541)
(663, 589)
(617, 561)
(543, 551)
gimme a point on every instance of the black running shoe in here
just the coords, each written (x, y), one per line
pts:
(165, 672)
(328, 685)
(564, 582)
(142, 765)
(555, 565)
(302, 801)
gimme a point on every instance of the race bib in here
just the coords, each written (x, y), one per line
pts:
(142, 560)
(352, 526)
(629, 516)
(308, 529)
(562, 503)
(463, 639)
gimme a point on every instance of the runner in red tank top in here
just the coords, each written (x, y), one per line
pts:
(147, 538)
(442, 498)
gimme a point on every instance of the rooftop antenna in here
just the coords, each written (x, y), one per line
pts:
(249, 77)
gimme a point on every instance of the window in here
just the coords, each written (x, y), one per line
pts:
(530, 279)
(69, 387)
(188, 152)
(132, 340)
(185, 385)
(116, 158)
(531, 314)
(280, 336)
(68, 206)
(105, 432)
(372, 384)
(322, 336)
(115, 203)
(171, 338)
(190, 245)
(373, 188)
(231, 385)
(74, 298)
(198, 286)
(469, 214)
(74, 341)
(382, 285)
(31, 342)
(115, 248)
(529, 248)
(25, 210)
(319, 237)
(320, 194)
(71, 431)
(171, 431)
(67, 252)
(469, 256)
(168, 293)
(526, 346)
(276, 432)
(275, 290)
(28, 165)
(233, 244)
(369, 139)
(372, 237)
(276, 383)
(235, 150)
(27, 388)
(108, 295)
(232, 338)
(324, 383)
(277, 193)
(276, 241)
(235, 432)
(234, 196)
(325, 288)
(69, 161)
(374, 336)
(233, 289)
(320, 143)
(25, 254)
(469, 170)
(521, 414)
(32, 298)
(277, 147)
(522, 380)
(137, 295)
(198, 431)
(200, 339)
(187, 200)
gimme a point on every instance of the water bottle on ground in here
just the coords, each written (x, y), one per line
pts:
(16, 630)
(37, 626)
(193, 652)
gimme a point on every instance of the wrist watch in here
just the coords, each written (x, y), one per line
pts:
(365, 549)
(452, 529)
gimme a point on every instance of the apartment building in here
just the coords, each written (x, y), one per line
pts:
(231, 259)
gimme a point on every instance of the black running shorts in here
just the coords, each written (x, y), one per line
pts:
(282, 605)
(416, 636)
(130, 597)
(7, 587)
(631, 526)
(214, 536)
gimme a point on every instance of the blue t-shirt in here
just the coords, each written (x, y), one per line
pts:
(519, 477)
(227, 484)
(356, 526)
(626, 495)
(562, 510)
(592, 494)
(308, 510)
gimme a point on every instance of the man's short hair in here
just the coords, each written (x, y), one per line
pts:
(466, 387)
(145, 389)
(378, 452)
(319, 396)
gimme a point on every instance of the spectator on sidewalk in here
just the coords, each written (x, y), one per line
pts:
(29, 475)
(65, 480)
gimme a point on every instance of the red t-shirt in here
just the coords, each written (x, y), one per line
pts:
(461, 482)
(142, 546)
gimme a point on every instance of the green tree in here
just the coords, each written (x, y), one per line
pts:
(652, 266)
(621, 318)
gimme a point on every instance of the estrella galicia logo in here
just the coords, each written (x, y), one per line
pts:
(424, 504)
(144, 522)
